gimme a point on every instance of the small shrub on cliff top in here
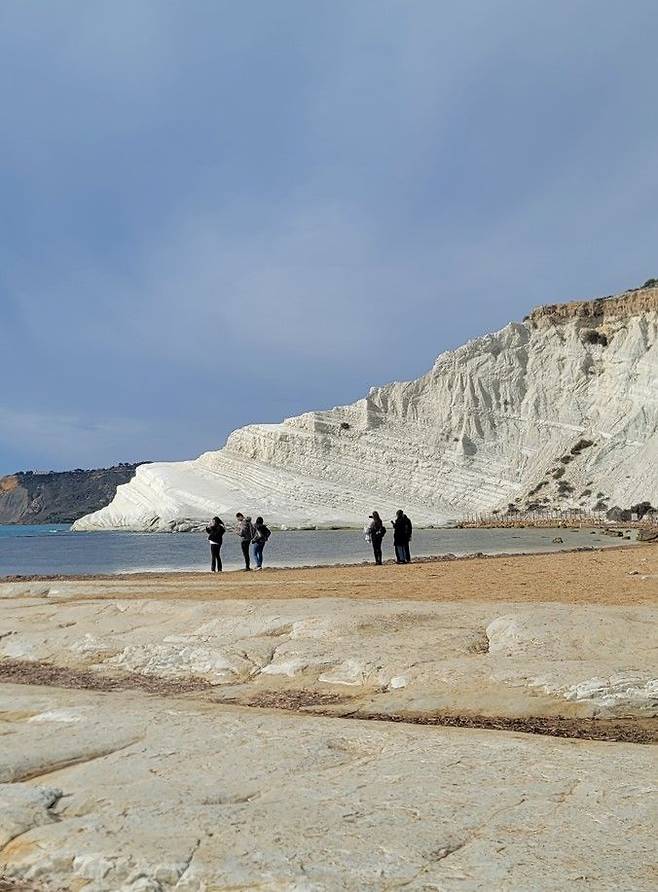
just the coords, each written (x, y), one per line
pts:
(651, 283)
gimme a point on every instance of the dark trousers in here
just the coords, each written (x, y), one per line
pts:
(407, 553)
(215, 559)
(244, 545)
(377, 549)
(400, 554)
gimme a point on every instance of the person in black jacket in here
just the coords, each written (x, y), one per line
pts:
(409, 530)
(376, 531)
(402, 530)
(215, 532)
(260, 537)
(399, 537)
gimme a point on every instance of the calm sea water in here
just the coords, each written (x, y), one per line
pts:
(54, 549)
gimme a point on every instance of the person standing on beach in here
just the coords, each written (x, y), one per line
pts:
(258, 540)
(407, 545)
(402, 530)
(376, 531)
(215, 532)
(245, 530)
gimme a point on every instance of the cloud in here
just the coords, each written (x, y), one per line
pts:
(309, 286)
(67, 440)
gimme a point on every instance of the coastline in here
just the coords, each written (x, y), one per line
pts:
(419, 559)
(32, 552)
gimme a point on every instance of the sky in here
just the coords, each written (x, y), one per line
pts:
(217, 213)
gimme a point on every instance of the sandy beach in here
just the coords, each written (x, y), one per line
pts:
(621, 575)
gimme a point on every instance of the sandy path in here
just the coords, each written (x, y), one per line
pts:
(615, 576)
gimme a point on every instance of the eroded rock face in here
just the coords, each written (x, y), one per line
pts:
(199, 797)
(382, 657)
(495, 421)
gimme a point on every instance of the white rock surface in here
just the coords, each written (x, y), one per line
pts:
(493, 658)
(23, 807)
(485, 426)
(192, 796)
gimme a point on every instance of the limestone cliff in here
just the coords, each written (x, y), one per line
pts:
(559, 410)
(59, 496)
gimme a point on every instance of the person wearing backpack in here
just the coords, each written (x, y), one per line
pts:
(245, 530)
(258, 540)
(215, 532)
(376, 531)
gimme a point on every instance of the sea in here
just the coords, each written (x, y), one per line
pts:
(52, 549)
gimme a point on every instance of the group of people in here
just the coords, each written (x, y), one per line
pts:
(252, 535)
(402, 530)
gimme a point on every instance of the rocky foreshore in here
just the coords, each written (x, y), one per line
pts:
(487, 724)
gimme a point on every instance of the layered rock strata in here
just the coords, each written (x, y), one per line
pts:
(559, 411)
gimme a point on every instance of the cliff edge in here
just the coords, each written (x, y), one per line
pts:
(629, 303)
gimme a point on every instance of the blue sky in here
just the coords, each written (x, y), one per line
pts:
(215, 212)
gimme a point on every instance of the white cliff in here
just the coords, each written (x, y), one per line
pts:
(559, 410)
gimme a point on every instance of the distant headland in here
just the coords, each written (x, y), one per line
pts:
(28, 497)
